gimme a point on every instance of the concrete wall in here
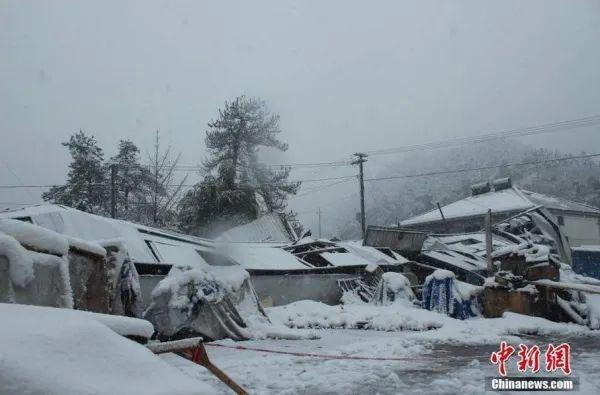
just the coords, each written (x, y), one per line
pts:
(581, 230)
(281, 289)
(276, 289)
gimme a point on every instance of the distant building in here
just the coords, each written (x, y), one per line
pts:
(579, 223)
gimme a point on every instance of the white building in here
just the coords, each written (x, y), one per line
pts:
(578, 222)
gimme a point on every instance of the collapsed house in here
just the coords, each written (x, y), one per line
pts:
(534, 270)
(185, 284)
(61, 257)
(579, 223)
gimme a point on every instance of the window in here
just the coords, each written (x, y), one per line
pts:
(215, 259)
(152, 250)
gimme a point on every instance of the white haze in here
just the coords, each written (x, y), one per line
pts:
(345, 76)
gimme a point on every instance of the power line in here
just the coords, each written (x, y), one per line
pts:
(282, 165)
(188, 185)
(309, 191)
(436, 173)
(349, 177)
(521, 132)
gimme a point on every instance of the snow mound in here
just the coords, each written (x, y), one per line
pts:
(207, 286)
(57, 351)
(395, 317)
(85, 245)
(393, 287)
(35, 237)
(20, 261)
(593, 305)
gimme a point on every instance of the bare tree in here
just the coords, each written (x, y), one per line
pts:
(166, 190)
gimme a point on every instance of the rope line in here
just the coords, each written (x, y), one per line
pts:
(311, 355)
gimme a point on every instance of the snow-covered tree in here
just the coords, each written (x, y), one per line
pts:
(133, 183)
(86, 187)
(237, 187)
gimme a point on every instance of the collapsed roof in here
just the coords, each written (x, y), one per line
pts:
(273, 228)
(507, 200)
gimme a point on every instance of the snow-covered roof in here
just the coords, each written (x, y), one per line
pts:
(268, 228)
(554, 203)
(89, 227)
(344, 259)
(261, 257)
(372, 254)
(506, 200)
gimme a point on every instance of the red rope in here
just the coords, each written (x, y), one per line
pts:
(303, 354)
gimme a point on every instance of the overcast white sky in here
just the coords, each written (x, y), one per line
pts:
(344, 75)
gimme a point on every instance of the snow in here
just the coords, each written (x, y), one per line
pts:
(58, 351)
(214, 285)
(255, 256)
(371, 254)
(500, 201)
(568, 275)
(564, 285)
(89, 246)
(451, 359)
(268, 228)
(556, 203)
(421, 324)
(456, 259)
(593, 305)
(74, 223)
(35, 236)
(344, 259)
(589, 248)
(179, 254)
(392, 288)
(394, 317)
(19, 260)
(65, 299)
(441, 274)
(124, 326)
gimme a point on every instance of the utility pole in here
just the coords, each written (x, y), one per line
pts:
(488, 243)
(360, 159)
(155, 197)
(113, 190)
(319, 214)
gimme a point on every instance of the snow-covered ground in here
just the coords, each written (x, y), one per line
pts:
(451, 359)
(46, 350)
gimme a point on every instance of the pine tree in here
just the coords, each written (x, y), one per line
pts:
(133, 183)
(86, 188)
(237, 187)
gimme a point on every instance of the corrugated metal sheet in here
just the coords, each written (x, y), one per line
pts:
(271, 228)
(395, 239)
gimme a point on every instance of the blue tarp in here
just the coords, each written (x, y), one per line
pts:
(441, 295)
(586, 261)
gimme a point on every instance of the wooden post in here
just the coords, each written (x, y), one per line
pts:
(443, 217)
(200, 357)
(319, 214)
(488, 243)
(113, 191)
(194, 350)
